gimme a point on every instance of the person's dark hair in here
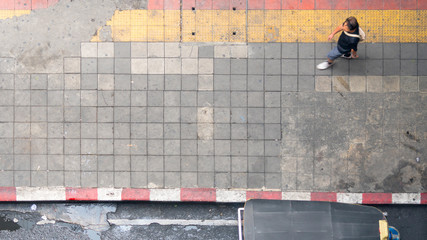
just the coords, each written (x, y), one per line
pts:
(352, 23)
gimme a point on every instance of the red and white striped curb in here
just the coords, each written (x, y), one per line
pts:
(198, 195)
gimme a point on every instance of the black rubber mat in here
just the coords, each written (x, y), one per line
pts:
(305, 220)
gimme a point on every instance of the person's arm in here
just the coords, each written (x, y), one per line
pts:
(338, 29)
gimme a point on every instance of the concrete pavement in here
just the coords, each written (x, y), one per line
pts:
(86, 106)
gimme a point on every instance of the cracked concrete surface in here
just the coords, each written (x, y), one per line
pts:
(331, 140)
(60, 30)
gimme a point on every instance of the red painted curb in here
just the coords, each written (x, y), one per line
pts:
(7, 194)
(186, 4)
(129, 194)
(423, 198)
(26, 4)
(198, 194)
(171, 4)
(263, 195)
(324, 196)
(377, 198)
(81, 194)
(37, 4)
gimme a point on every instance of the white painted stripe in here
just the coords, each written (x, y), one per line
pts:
(222, 195)
(349, 198)
(406, 198)
(182, 222)
(302, 196)
(230, 195)
(165, 195)
(40, 194)
(109, 194)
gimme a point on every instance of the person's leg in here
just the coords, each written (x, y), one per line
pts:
(332, 55)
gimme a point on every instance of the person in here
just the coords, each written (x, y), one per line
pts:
(347, 43)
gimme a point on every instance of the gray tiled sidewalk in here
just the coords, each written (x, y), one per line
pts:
(167, 115)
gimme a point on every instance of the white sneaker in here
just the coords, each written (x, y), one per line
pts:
(324, 65)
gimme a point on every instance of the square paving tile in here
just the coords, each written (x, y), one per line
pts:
(306, 66)
(357, 83)
(155, 179)
(272, 67)
(206, 51)
(89, 50)
(391, 67)
(273, 83)
(123, 65)
(138, 179)
(322, 50)
(408, 50)
(306, 83)
(71, 65)
(306, 50)
(139, 49)
(239, 66)
(156, 50)
(289, 50)
(409, 83)
(122, 50)
(374, 67)
(106, 49)
(408, 67)
(422, 83)
(222, 180)
(222, 66)
(391, 50)
(422, 51)
(374, 51)
(273, 50)
(256, 50)
(391, 84)
(206, 66)
(374, 83)
(172, 179)
(289, 83)
(422, 70)
(255, 66)
(239, 180)
(239, 51)
(255, 83)
(188, 51)
(340, 84)
(323, 83)
(89, 65)
(22, 81)
(357, 67)
(189, 66)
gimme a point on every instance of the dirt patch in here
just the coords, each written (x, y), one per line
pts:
(406, 177)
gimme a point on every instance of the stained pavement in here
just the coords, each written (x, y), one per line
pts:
(82, 107)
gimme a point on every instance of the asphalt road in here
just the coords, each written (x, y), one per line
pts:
(410, 220)
(149, 220)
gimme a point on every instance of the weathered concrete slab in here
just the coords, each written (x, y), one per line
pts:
(75, 113)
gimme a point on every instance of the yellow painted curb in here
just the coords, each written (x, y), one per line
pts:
(263, 25)
(4, 14)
